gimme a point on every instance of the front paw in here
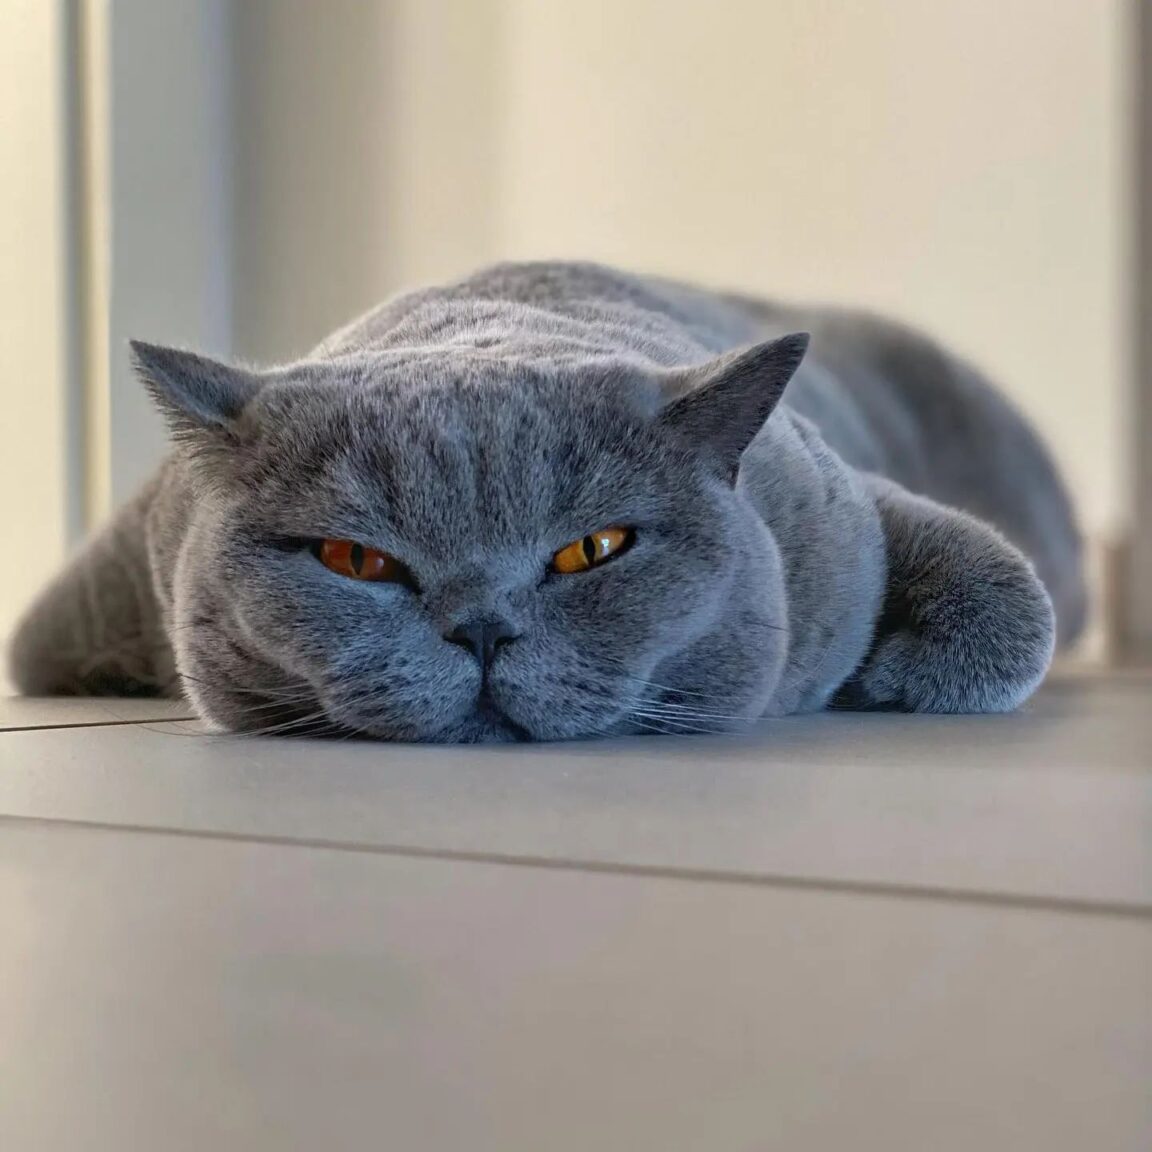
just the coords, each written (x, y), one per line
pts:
(967, 626)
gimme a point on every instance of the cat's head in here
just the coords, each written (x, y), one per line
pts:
(451, 546)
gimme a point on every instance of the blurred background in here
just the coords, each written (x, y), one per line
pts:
(240, 176)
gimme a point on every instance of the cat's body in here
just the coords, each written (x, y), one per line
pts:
(473, 430)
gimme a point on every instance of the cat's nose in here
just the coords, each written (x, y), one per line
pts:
(483, 638)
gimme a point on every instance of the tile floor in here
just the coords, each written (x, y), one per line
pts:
(870, 932)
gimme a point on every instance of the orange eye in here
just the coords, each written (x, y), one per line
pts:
(591, 550)
(358, 562)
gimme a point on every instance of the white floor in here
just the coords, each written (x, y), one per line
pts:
(870, 932)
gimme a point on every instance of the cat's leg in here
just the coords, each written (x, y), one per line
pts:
(96, 629)
(966, 626)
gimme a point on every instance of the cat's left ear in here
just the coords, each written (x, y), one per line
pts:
(721, 405)
(195, 395)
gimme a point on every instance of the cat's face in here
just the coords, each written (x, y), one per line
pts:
(461, 482)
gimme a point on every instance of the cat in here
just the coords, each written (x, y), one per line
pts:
(557, 500)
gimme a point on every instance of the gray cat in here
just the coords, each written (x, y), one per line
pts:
(557, 500)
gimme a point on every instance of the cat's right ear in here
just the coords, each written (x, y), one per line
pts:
(198, 398)
(719, 407)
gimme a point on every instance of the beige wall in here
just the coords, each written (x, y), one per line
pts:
(168, 204)
(311, 158)
(34, 416)
(366, 158)
(959, 162)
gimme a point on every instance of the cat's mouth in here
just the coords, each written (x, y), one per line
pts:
(485, 722)
(492, 718)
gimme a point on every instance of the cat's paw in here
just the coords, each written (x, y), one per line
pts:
(967, 626)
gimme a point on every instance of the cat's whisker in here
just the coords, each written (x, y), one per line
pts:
(309, 719)
(282, 699)
(656, 730)
(277, 694)
(718, 723)
(681, 721)
(672, 707)
(201, 734)
(666, 727)
(175, 729)
(686, 713)
(676, 728)
(254, 689)
(652, 684)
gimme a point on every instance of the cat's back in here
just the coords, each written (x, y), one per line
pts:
(540, 308)
(890, 399)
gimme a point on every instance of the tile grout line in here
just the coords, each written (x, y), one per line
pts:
(1018, 901)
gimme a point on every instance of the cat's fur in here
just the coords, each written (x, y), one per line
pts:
(787, 555)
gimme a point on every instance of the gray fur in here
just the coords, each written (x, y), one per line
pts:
(848, 545)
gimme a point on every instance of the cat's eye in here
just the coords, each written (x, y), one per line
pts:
(359, 562)
(591, 550)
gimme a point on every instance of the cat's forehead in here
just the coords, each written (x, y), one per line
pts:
(485, 407)
(481, 450)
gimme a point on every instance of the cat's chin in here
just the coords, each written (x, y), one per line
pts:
(486, 725)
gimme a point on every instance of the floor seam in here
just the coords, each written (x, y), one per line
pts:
(922, 893)
(95, 724)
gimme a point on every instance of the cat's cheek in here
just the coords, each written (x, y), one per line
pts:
(416, 689)
(641, 611)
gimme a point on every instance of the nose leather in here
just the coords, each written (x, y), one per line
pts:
(483, 638)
